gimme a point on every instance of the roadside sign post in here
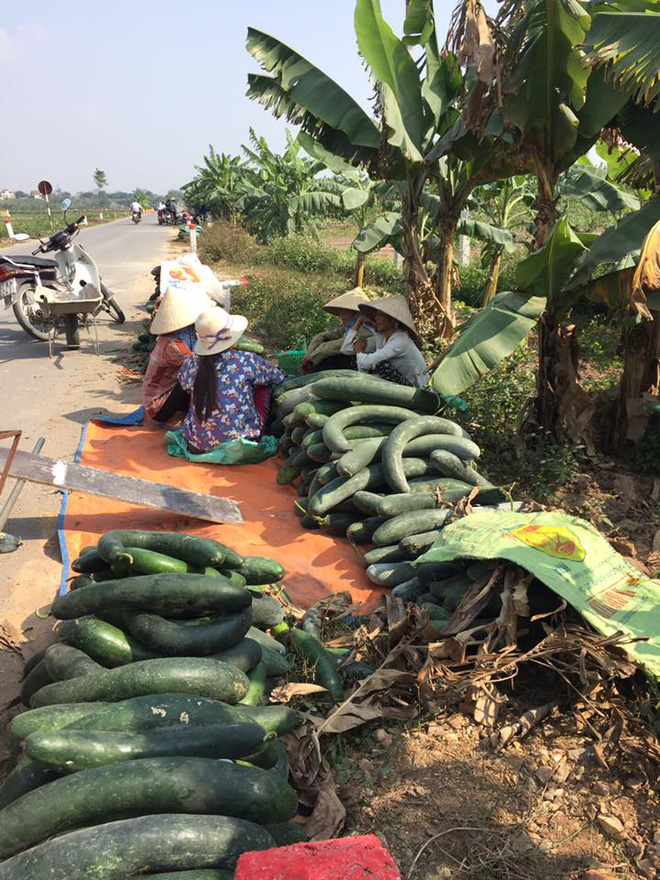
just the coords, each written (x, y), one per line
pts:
(193, 238)
(46, 188)
(9, 228)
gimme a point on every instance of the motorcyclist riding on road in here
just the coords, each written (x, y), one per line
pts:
(170, 204)
(136, 207)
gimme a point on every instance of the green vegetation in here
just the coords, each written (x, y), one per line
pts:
(37, 225)
(480, 137)
(271, 193)
(290, 280)
(100, 182)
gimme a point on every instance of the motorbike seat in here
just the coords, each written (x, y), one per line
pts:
(29, 260)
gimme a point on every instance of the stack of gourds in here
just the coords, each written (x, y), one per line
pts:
(375, 462)
(146, 748)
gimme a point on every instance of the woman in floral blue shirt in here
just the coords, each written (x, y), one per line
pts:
(223, 383)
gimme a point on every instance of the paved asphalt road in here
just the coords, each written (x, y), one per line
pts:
(35, 390)
(54, 398)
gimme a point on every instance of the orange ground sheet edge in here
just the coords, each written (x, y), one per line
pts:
(316, 564)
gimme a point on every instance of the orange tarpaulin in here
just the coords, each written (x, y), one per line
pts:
(316, 564)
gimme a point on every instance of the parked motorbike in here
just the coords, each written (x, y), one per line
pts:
(48, 295)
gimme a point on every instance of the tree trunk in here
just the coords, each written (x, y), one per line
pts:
(640, 376)
(563, 408)
(359, 270)
(546, 203)
(444, 277)
(421, 296)
(490, 288)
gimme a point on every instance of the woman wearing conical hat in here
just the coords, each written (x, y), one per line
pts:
(223, 384)
(329, 350)
(392, 352)
(174, 325)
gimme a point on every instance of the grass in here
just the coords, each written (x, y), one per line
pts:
(284, 307)
(39, 226)
(290, 280)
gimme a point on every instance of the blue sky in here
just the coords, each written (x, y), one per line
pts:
(141, 87)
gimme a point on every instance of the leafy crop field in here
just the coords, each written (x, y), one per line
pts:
(39, 225)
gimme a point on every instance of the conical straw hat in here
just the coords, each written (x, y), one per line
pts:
(396, 307)
(217, 330)
(179, 307)
(350, 300)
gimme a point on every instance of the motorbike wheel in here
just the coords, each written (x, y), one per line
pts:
(111, 305)
(30, 318)
(71, 331)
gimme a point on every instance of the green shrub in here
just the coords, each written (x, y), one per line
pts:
(285, 308)
(227, 241)
(473, 280)
(495, 402)
(300, 253)
(310, 255)
(306, 254)
(383, 273)
(539, 467)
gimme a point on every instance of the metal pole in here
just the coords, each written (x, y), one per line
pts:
(16, 491)
(50, 218)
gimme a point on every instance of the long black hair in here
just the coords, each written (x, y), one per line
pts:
(205, 388)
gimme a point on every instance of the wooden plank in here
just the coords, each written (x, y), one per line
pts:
(80, 478)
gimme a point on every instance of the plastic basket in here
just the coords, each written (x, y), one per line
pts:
(290, 362)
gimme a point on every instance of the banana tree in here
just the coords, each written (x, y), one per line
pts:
(557, 276)
(624, 41)
(418, 110)
(387, 229)
(221, 182)
(286, 191)
(507, 202)
(554, 106)
(361, 197)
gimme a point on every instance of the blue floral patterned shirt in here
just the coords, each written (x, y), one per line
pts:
(235, 414)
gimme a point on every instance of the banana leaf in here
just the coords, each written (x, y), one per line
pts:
(314, 202)
(400, 85)
(353, 197)
(486, 232)
(378, 233)
(619, 245)
(302, 93)
(548, 269)
(335, 163)
(626, 37)
(595, 191)
(490, 336)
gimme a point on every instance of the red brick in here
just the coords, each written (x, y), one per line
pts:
(349, 858)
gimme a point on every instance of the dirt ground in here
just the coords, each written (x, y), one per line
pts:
(448, 806)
